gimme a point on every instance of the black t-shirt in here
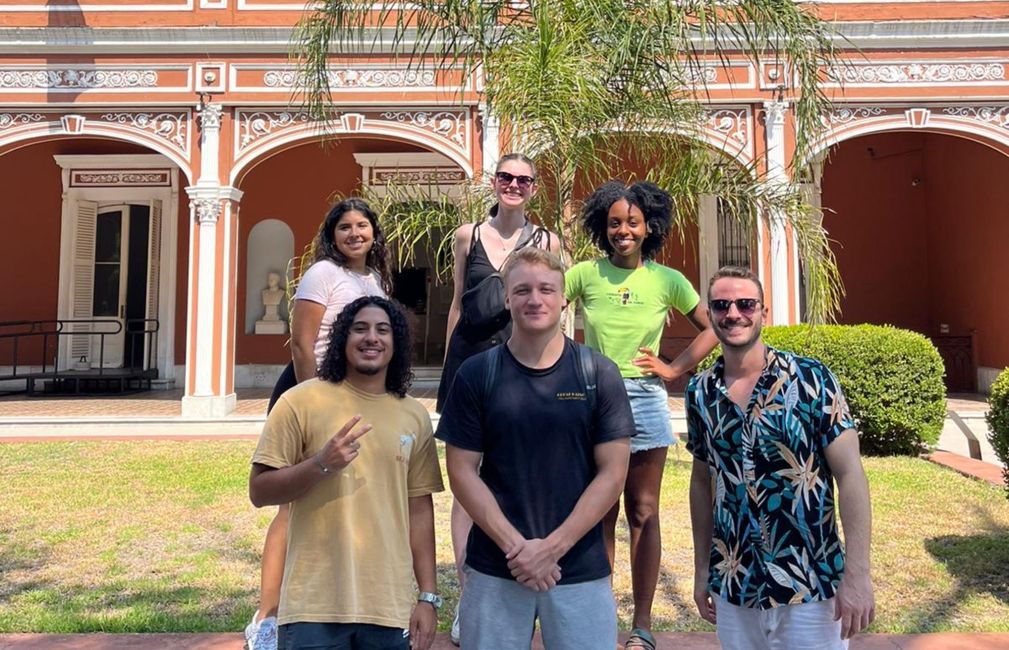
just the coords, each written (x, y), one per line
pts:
(537, 436)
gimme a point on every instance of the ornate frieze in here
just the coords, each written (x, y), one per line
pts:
(13, 120)
(448, 124)
(916, 73)
(994, 115)
(428, 176)
(389, 77)
(171, 127)
(846, 114)
(77, 79)
(253, 126)
(731, 123)
(124, 178)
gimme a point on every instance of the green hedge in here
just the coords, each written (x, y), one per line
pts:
(893, 380)
(998, 422)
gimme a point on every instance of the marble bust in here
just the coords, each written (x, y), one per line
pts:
(272, 295)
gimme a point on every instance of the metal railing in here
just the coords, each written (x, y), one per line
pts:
(41, 341)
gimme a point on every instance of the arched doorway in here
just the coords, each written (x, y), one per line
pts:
(96, 233)
(919, 225)
(296, 185)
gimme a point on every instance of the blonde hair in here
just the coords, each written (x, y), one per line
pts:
(533, 255)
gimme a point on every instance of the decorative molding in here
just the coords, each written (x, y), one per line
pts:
(387, 77)
(171, 127)
(14, 120)
(73, 124)
(700, 74)
(427, 176)
(75, 7)
(917, 118)
(77, 78)
(448, 124)
(121, 178)
(253, 126)
(916, 73)
(207, 210)
(210, 116)
(846, 114)
(730, 123)
(994, 115)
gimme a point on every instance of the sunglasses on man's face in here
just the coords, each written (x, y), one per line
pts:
(505, 179)
(746, 306)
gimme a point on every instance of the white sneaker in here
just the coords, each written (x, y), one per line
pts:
(261, 635)
(454, 635)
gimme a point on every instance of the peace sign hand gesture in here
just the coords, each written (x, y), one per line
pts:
(343, 447)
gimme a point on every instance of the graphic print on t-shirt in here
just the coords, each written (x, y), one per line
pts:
(624, 296)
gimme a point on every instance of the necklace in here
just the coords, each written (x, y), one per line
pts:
(508, 245)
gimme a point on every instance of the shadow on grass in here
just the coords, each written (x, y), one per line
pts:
(980, 565)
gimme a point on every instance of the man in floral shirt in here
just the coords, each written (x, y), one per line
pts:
(770, 432)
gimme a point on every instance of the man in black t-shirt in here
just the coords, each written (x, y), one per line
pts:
(554, 460)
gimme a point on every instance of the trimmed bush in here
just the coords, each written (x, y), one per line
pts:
(892, 378)
(998, 422)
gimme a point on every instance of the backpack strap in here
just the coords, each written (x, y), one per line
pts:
(587, 369)
(491, 370)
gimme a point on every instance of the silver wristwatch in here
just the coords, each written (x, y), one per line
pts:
(428, 597)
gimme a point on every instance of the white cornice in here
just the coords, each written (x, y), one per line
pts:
(931, 34)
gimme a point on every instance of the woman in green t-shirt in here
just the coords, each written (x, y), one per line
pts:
(625, 297)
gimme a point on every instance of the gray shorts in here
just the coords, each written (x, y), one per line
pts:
(500, 614)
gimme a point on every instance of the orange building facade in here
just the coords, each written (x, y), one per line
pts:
(156, 168)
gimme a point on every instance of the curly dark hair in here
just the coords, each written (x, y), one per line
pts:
(399, 374)
(653, 201)
(378, 257)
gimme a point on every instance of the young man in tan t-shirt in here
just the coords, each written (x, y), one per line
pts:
(355, 458)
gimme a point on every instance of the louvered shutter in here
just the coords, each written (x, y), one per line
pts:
(153, 277)
(82, 281)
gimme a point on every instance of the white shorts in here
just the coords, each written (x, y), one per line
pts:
(809, 626)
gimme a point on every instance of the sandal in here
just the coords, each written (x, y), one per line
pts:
(640, 638)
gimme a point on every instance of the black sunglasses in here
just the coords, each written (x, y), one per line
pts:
(504, 178)
(746, 306)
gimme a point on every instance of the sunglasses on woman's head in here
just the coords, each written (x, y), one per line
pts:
(505, 179)
(746, 306)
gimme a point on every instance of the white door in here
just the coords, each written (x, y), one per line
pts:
(108, 303)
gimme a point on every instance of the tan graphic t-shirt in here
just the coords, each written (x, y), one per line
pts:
(348, 549)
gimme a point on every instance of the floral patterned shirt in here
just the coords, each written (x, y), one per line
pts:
(775, 539)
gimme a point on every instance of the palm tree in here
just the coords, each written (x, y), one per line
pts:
(575, 80)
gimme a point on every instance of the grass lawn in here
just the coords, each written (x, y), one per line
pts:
(160, 536)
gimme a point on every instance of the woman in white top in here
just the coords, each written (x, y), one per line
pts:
(351, 260)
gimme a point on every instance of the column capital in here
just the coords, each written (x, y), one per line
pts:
(207, 200)
(774, 112)
(210, 116)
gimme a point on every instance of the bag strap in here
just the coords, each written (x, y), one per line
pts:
(587, 374)
(473, 239)
(491, 370)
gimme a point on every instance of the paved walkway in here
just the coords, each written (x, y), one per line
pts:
(666, 641)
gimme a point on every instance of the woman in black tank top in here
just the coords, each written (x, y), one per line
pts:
(480, 250)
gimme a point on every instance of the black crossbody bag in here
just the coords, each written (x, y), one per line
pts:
(483, 306)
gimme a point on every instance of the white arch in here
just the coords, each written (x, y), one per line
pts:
(44, 131)
(972, 130)
(305, 132)
(704, 135)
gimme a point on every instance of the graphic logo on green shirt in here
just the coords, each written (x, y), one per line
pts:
(624, 296)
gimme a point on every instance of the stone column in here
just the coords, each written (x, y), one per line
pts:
(210, 323)
(491, 144)
(774, 123)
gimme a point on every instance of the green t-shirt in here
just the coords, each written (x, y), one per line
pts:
(625, 309)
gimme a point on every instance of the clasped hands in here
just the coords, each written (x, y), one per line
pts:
(534, 564)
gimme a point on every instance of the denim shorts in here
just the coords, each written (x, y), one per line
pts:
(651, 413)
